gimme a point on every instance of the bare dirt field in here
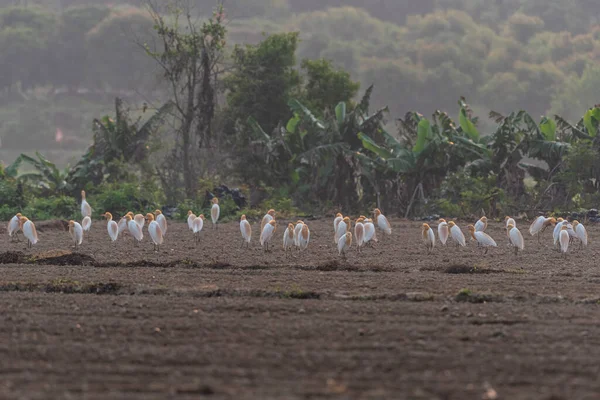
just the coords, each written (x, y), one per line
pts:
(218, 321)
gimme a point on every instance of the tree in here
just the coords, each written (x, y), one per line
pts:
(120, 141)
(326, 86)
(189, 56)
(262, 81)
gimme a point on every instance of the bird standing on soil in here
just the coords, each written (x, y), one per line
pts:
(112, 227)
(482, 238)
(564, 240)
(515, 238)
(288, 238)
(428, 238)
(556, 234)
(86, 224)
(481, 225)
(297, 229)
(197, 225)
(134, 229)
(155, 232)
(190, 218)
(267, 234)
(382, 222)
(343, 227)
(140, 220)
(443, 231)
(76, 232)
(338, 218)
(359, 233)
(215, 211)
(581, 233)
(370, 235)
(162, 221)
(13, 227)
(457, 234)
(304, 237)
(344, 244)
(122, 225)
(539, 225)
(266, 219)
(86, 209)
(246, 230)
(29, 231)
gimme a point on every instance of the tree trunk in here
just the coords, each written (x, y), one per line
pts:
(188, 179)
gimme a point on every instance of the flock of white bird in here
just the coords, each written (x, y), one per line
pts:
(298, 235)
(564, 233)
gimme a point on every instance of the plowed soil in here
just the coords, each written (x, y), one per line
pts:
(218, 321)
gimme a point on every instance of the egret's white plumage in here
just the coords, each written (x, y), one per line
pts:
(246, 230)
(382, 222)
(288, 238)
(482, 238)
(359, 233)
(304, 237)
(297, 230)
(190, 218)
(161, 220)
(267, 234)
(556, 234)
(509, 221)
(338, 218)
(268, 217)
(515, 238)
(428, 237)
(29, 231)
(369, 231)
(122, 225)
(343, 227)
(154, 231)
(86, 209)
(134, 229)
(564, 239)
(76, 232)
(344, 243)
(540, 224)
(215, 211)
(140, 220)
(112, 227)
(481, 224)
(457, 234)
(581, 232)
(86, 224)
(197, 225)
(14, 225)
(443, 231)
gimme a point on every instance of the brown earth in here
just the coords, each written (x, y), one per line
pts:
(218, 321)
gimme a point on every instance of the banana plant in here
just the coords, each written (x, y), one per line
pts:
(425, 151)
(46, 175)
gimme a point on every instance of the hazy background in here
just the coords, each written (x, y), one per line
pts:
(63, 62)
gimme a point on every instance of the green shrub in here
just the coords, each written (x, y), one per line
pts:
(10, 193)
(7, 212)
(53, 207)
(119, 198)
(463, 195)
